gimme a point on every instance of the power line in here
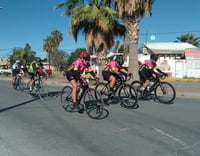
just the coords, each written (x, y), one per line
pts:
(164, 33)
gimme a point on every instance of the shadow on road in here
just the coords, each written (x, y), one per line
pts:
(18, 105)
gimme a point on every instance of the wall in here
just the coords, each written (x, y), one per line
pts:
(193, 67)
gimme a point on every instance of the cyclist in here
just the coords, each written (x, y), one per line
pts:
(148, 71)
(74, 71)
(33, 69)
(112, 71)
(17, 68)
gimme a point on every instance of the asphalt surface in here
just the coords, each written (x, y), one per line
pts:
(33, 127)
(188, 88)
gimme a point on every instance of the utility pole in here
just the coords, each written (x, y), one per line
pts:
(146, 36)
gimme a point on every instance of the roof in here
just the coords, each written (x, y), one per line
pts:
(172, 46)
(113, 54)
(168, 47)
(108, 55)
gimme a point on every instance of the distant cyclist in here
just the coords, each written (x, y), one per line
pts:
(74, 72)
(17, 68)
(33, 70)
(112, 71)
(148, 70)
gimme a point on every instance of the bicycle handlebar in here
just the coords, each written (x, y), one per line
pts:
(161, 76)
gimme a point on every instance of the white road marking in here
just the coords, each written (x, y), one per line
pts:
(170, 136)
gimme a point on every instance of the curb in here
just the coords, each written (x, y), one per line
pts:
(182, 80)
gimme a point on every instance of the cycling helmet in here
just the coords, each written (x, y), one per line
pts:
(154, 57)
(85, 56)
(17, 61)
(38, 59)
(119, 60)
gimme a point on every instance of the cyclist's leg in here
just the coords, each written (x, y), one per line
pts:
(145, 76)
(111, 78)
(31, 76)
(73, 78)
(14, 75)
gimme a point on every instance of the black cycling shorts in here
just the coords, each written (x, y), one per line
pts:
(31, 76)
(73, 75)
(15, 72)
(145, 74)
(106, 75)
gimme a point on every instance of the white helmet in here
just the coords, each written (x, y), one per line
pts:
(17, 61)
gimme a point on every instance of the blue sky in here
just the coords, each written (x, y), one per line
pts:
(31, 21)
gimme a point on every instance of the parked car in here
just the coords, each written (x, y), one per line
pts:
(5, 71)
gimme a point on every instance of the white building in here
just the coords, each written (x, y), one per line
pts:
(175, 58)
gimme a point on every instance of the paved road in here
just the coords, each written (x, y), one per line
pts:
(31, 127)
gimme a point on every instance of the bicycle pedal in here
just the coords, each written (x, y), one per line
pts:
(81, 110)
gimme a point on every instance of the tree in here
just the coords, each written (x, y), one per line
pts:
(121, 49)
(57, 36)
(97, 21)
(60, 59)
(51, 44)
(189, 38)
(25, 55)
(130, 12)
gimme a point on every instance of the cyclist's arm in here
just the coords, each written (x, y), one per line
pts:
(34, 68)
(124, 71)
(21, 72)
(115, 71)
(160, 71)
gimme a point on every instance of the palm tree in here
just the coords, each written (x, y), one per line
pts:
(51, 43)
(97, 21)
(57, 36)
(130, 12)
(49, 46)
(189, 38)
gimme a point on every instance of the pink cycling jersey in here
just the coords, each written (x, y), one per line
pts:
(112, 66)
(150, 64)
(78, 65)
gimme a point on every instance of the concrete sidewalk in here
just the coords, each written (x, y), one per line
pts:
(184, 87)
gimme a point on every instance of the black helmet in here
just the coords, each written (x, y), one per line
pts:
(154, 57)
(120, 60)
(38, 59)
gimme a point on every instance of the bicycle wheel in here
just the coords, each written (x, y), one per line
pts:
(93, 103)
(27, 85)
(16, 84)
(103, 90)
(165, 93)
(137, 85)
(128, 96)
(43, 90)
(66, 98)
(21, 84)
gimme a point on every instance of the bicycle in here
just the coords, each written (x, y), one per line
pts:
(91, 99)
(39, 86)
(163, 91)
(127, 95)
(19, 82)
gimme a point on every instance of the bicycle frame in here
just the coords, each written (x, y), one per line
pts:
(118, 84)
(156, 83)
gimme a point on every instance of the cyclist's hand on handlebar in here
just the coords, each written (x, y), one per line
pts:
(164, 75)
(131, 75)
(97, 78)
